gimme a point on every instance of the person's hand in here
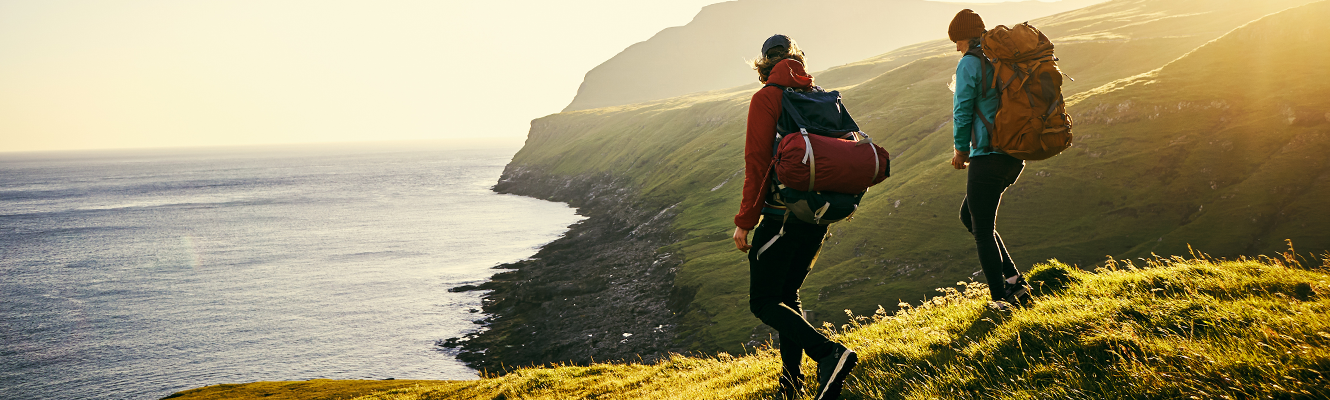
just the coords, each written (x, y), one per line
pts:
(741, 239)
(960, 160)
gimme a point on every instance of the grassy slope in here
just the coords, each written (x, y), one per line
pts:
(1246, 138)
(1116, 193)
(1157, 329)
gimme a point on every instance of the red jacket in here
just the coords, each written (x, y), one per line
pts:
(762, 114)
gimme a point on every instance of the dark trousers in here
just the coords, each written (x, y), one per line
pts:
(989, 176)
(777, 273)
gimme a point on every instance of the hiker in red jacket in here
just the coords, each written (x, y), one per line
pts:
(780, 263)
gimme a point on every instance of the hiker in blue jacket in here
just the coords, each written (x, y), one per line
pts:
(975, 107)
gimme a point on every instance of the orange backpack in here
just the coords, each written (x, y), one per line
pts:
(1032, 121)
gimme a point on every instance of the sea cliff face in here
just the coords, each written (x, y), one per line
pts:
(599, 293)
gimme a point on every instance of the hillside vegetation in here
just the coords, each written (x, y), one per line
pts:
(1186, 133)
(1155, 328)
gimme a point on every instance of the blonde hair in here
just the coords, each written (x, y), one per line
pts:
(775, 55)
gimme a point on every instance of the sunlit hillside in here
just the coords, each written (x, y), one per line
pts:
(1159, 328)
(1234, 135)
(1139, 179)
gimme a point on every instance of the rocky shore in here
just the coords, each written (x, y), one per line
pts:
(600, 293)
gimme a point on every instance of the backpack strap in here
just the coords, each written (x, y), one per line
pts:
(808, 159)
(978, 52)
(775, 144)
(988, 125)
(773, 240)
(773, 184)
(1046, 82)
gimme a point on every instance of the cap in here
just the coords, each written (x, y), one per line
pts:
(776, 40)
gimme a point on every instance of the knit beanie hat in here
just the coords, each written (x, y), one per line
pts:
(966, 25)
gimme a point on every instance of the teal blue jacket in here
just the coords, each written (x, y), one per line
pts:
(969, 82)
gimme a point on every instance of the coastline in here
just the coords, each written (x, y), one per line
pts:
(600, 293)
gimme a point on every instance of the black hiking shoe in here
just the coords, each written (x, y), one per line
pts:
(1000, 306)
(1018, 293)
(832, 370)
(791, 387)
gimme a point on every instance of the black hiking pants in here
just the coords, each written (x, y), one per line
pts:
(989, 176)
(778, 271)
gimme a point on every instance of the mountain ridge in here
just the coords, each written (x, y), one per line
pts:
(703, 54)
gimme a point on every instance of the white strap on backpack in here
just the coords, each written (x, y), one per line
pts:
(773, 238)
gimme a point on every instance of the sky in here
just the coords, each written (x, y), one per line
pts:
(78, 75)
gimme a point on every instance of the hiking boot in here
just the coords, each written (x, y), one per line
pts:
(1017, 292)
(1001, 307)
(791, 387)
(832, 371)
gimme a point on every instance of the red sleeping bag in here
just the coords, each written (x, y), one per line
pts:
(840, 165)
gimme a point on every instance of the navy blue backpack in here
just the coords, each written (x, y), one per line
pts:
(815, 112)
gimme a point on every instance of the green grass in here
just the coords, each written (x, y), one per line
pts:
(1148, 328)
(1159, 328)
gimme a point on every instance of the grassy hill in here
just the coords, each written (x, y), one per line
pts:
(1159, 328)
(1236, 140)
(1179, 140)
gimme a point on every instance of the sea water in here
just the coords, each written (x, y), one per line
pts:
(136, 274)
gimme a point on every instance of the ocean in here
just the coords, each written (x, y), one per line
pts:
(136, 274)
